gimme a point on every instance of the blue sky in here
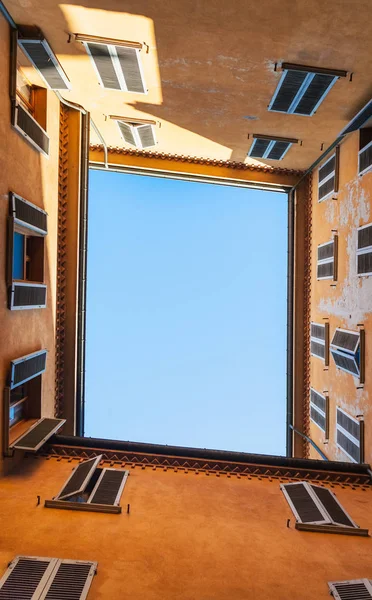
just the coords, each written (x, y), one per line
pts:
(186, 314)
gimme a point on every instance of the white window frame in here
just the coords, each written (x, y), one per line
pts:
(347, 434)
(333, 590)
(366, 250)
(327, 518)
(327, 177)
(326, 260)
(320, 411)
(117, 67)
(369, 168)
(134, 129)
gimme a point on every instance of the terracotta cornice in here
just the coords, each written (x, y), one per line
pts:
(197, 160)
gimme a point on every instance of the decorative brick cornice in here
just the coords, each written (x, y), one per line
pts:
(61, 260)
(215, 162)
(130, 459)
(307, 311)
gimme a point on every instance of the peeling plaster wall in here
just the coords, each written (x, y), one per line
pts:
(347, 302)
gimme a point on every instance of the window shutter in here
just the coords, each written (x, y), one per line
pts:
(345, 340)
(302, 503)
(126, 131)
(364, 251)
(28, 215)
(79, 478)
(25, 296)
(38, 434)
(278, 150)
(27, 367)
(271, 148)
(28, 127)
(317, 88)
(333, 508)
(130, 64)
(26, 578)
(44, 60)
(345, 362)
(146, 135)
(109, 487)
(118, 67)
(349, 435)
(71, 580)
(358, 589)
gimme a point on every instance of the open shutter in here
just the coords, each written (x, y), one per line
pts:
(345, 340)
(71, 580)
(126, 131)
(329, 501)
(29, 128)
(38, 434)
(357, 589)
(118, 66)
(45, 61)
(129, 60)
(364, 250)
(303, 504)
(109, 487)
(79, 478)
(27, 295)
(146, 135)
(28, 215)
(26, 577)
(27, 367)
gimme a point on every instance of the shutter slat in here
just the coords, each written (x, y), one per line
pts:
(27, 367)
(79, 478)
(129, 62)
(34, 133)
(335, 511)
(303, 503)
(28, 295)
(25, 577)
(108, 487)
(45, 61)
(38, 434)
(71, 581)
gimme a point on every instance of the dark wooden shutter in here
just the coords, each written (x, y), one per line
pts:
(80, 478)
(146, 135)
(45, 61)
(28, 214)
(25, 577)
(27, 126)
(27, 296)
(333, 508)
(102, 60)
(359, 589)
(108, 487)
(38, 434)
(129, 62)
(27, 367)
(71, 580)
(303, 503)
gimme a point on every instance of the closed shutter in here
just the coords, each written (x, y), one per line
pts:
(28, 215)
(364, 250)
(29, 128)
(319, 409)
(326, 259)
(38, 434)
(328, 177)
(271, 148)
(25, 578)
(25, 296)
(44, 60)
(71, 580)
(365, 158)
(349, 435)
(317, 331)
(303, 503)
(109, 487)
(27, 367)
(79, 478)
(317, 349)
(357, 589)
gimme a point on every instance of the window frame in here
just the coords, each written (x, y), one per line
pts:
(365, 250)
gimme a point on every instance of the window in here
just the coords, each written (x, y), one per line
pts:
(27, 228)
(302, 89)
(317, 509)
(91, 488)
(117, 63)
(23, 426)
(319, 411)
(140, 135)
(365, 150)
(319, 341)
(327, 260)
(270, 147)
(44, 578)
(350, 436)
(347, 349)
(328, 177)
(347, 590)
(25, 92)
(364, 250)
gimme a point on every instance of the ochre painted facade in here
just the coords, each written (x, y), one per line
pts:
(189, 535)
(347, 302)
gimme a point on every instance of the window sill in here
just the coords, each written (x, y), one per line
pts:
(332, 529)
(65, 505)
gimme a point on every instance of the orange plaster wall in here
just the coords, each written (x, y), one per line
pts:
(26, 172)
(188, 536)
(350, 301)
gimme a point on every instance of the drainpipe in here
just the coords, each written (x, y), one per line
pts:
(7, 16)
(290, 277)
(310, 441)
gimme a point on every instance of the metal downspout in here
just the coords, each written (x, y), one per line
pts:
(314, 445)
(290, 278)
(7, 16)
